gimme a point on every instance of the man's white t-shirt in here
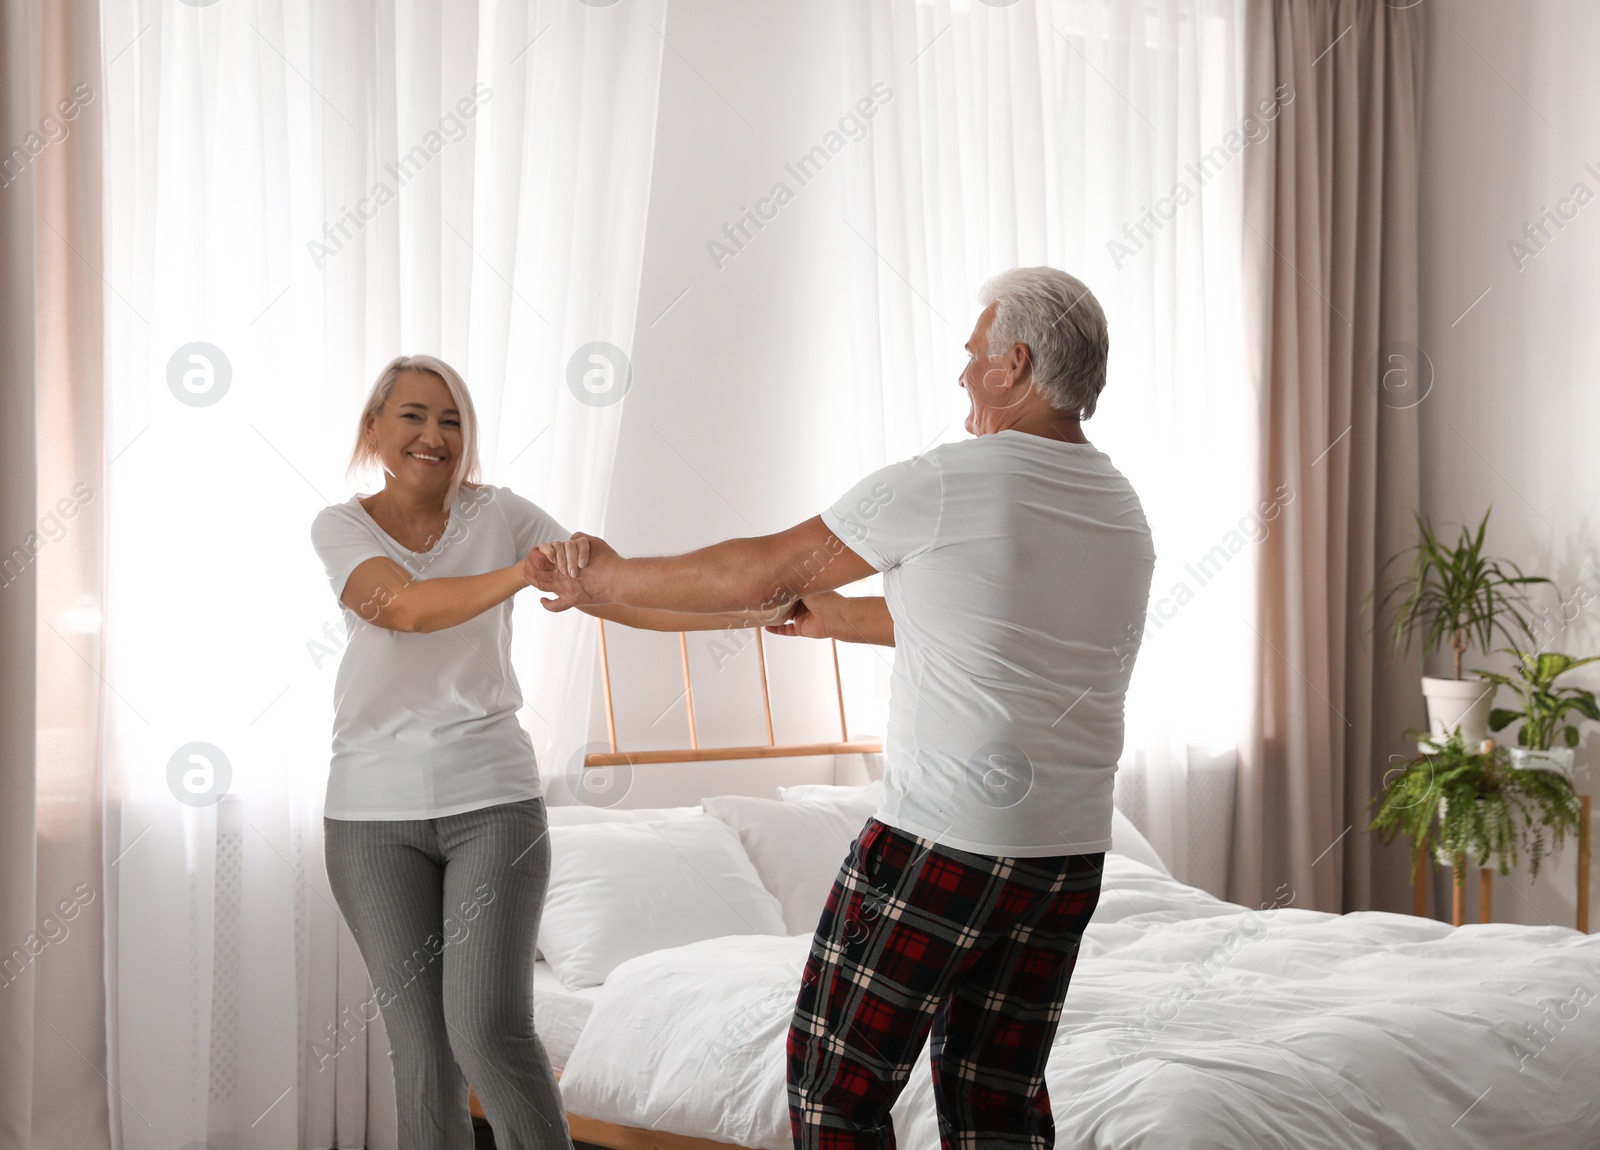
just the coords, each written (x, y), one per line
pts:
(1017, 571)
(425, 725)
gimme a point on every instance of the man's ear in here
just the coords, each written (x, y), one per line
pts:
(1021, 363)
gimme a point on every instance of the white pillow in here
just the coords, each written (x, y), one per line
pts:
(824, 792)
(1125, 837)
(1126, 840)
(797, 847)
(619, 890)
(580, 814)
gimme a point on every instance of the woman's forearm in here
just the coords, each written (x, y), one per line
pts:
(434, 604)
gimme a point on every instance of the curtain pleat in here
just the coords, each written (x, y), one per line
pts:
(1331, 283)
(53, 1063)
(19, 597)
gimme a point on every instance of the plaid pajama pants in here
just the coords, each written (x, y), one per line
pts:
(916, 937)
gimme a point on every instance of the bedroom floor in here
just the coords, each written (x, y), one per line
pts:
(483, 1138)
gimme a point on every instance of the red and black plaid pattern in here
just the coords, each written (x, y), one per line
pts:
(917, 938)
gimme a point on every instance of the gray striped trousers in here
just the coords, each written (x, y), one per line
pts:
(446, 913)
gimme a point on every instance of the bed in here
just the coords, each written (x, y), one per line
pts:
(559, 1014)
(673, 942)
(1191, 1022)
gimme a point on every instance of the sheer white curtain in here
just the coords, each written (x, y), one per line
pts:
(296, 192)
(1102, 137)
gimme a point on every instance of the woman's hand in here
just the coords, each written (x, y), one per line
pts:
(568, 555)
(574, 570)
(810, 617)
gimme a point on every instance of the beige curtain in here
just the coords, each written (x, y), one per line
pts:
(52, 1003)
(1331, 312)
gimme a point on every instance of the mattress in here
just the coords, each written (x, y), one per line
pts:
(559, 1013)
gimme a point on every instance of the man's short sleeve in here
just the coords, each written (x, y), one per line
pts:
(530, 524)
(342, 544)
(893, 514)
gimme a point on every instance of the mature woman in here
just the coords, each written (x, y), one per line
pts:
(435, 825)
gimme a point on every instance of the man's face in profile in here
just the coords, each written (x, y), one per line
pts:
(986, 378)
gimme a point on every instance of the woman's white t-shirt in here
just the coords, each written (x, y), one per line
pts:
(1017, 571)
(425, 725)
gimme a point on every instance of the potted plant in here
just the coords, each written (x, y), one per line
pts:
(1544, 709)
(1477, 803)
(1457, 595)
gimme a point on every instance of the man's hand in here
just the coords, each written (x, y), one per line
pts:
(574, 570)
(847, 618)
(808, 618)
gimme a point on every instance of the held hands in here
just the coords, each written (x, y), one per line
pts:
(574, 570)
(580, 572)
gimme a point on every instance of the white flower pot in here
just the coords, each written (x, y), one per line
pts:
(1463, 703)
(1558, 759)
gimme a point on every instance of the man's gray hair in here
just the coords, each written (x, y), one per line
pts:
(1061, 323)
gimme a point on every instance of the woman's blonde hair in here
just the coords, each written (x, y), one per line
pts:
(467, 469)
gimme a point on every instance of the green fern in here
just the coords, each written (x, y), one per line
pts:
(1481, 805)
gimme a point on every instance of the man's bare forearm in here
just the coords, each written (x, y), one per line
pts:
(650, 619)
(763, 574)
(733, 576)
(862, 619)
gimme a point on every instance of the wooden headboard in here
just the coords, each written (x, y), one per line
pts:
(695, 753)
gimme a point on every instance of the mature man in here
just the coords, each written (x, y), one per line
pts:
(1016, 573)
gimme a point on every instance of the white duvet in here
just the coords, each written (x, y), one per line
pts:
(1191, 1023)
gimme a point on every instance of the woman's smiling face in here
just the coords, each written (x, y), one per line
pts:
(417, 435)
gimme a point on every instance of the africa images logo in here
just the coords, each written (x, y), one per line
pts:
(198, 374)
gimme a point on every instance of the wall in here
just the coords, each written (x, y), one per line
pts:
(734, 424)
(1510, 129)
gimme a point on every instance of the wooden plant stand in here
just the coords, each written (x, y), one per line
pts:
(1458, 900)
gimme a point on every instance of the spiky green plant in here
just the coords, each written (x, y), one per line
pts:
(1545, 706)
(1476, 803)
(1456, 595)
